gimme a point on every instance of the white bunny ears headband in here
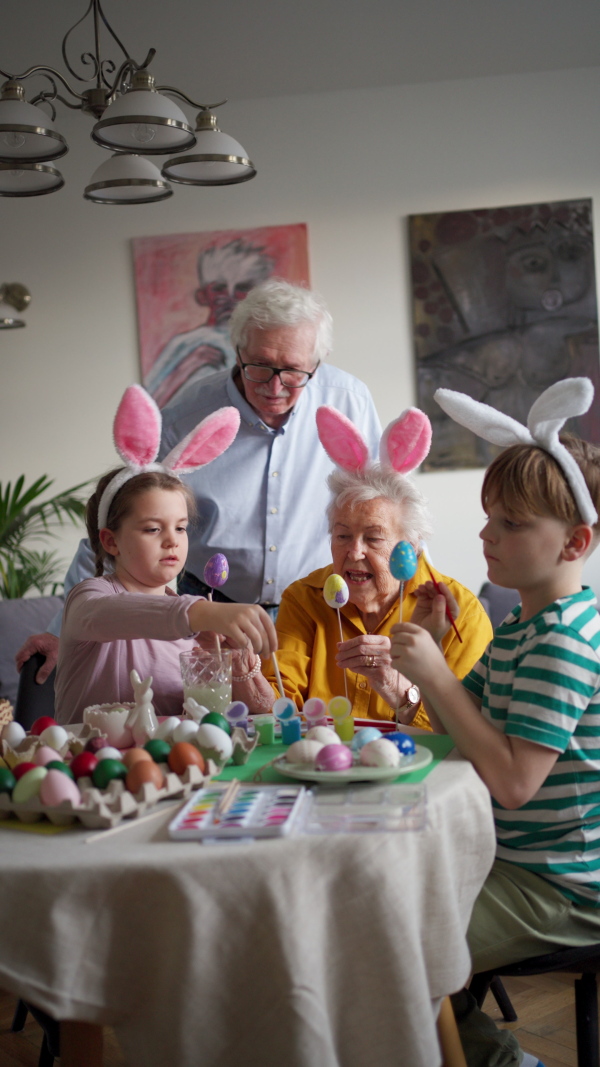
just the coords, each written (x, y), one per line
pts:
(559, 402)
(136, 432)
(404, 444)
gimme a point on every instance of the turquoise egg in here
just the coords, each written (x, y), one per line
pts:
(363, 736)
(403, 561)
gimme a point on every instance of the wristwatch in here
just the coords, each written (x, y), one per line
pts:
(412, 697)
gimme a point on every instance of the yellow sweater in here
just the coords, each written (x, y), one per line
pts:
(308, 633)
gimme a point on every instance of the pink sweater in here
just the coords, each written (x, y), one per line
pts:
(107, 631)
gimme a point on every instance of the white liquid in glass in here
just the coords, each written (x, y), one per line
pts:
(213, 697)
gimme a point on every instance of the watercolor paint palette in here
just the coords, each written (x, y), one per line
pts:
(257, 811)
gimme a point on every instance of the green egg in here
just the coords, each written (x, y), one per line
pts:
(217, 720)
(58, 765)
(28, 785)
(7, 780)
(158, 749)
(106, 770)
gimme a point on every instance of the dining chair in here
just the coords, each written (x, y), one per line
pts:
(584, 962)
(33, 700)
(50, 1048)
(497, 601)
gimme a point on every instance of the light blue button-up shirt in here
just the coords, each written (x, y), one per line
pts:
(262, 503)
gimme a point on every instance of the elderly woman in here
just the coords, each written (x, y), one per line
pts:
(370, 511)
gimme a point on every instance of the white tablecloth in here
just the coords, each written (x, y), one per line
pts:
(305, 952)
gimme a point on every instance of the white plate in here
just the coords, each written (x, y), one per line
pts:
(358, 773)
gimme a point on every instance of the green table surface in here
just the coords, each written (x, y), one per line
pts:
(439, 744)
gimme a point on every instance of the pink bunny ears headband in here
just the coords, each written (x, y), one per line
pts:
(404, 444)
(136, 432)
(559, 402)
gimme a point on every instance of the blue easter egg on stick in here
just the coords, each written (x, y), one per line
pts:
(216, 570)
(403, 561)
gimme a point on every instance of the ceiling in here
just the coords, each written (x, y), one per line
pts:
(265, 48)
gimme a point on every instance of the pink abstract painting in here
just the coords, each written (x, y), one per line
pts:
(186, 288)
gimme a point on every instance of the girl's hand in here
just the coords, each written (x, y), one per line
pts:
(246, 625)
(415, 653)
(430, 612)
(369, 655)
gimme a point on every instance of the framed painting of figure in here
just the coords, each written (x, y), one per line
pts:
(186, 288)
(504, 305)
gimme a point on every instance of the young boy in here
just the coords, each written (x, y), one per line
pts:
(528, 717)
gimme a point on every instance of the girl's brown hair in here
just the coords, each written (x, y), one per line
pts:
(527, 480)
(122, 503)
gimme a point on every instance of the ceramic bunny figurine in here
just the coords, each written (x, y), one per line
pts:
(403, 446)
(142, 720)
(195, 711)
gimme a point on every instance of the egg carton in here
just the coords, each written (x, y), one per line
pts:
(101, 809)
(27, 748)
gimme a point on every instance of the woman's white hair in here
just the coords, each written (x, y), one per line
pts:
(358, 487)
(278, 303)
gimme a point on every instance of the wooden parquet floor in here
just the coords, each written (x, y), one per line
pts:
(546, 1024)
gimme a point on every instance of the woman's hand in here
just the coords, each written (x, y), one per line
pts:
(370, 655)
(430, 611)
(248, 626)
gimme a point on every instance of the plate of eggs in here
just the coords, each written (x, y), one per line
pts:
(370, 757)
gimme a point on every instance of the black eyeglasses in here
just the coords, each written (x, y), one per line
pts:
(257, 372)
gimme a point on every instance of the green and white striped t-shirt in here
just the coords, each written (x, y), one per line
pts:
(540, 680)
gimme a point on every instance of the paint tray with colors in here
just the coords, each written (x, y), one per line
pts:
(256, 811)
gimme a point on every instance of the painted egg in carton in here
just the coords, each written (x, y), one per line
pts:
(26, 749)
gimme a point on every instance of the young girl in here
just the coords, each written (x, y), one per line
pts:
(528, 714)
(137, 521)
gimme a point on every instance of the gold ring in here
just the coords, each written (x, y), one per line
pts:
(369, 661)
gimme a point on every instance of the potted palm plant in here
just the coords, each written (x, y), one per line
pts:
(25, 519)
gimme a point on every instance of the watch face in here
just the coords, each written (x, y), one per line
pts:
(414, 695)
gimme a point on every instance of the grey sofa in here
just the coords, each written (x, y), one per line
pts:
(18, 619)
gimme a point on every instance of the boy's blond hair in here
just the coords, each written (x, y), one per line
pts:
(526, 480)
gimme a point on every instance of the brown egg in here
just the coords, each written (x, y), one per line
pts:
(133, 755)
(182, 755)
(144, 771)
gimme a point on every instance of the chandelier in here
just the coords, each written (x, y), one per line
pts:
(134, 119)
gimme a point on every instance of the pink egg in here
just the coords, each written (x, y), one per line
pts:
(57, 787)
(333, 758)
(44, 754)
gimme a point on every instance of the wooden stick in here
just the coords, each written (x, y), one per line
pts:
(341, 639)
(217, 642)
(126, 824)
(448, 612)
(277, 674)
(227, 799)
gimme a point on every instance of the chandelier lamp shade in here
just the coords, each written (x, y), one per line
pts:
(134, 119)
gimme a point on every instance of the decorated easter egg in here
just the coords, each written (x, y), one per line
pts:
(106, 770)
(213, 742)
(303, 751)
(403, 561)
(84, 765)
(108, 752)
(216, 570)
(144, 772)
(324, 734)
(335, 591)
(237, 713)
(315, 711)
(183, 754)
(363, 736)
(13, 733)
(214, 718)
(29, 785)
(284, 709)
(58, 765)
(381, 753)
(7, 780)
(54, 736)
(333, 758)
(21, 768)
(186, 730)
(56, 788)
(158, 749)
(95, 744)
(134, 755)
(166, 728)
(339, 708)
(44, 755)
(403, 742)
(41, 724)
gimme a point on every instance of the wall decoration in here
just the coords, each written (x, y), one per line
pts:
(187, 286)
(504, 304)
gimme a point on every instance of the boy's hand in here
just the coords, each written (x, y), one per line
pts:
(430, 612)
(415, 653)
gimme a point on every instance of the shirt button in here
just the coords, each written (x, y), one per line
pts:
(270, 581)
(274, 511)
(362, 685)
(272, 548)
(268, 601)
(275, 474)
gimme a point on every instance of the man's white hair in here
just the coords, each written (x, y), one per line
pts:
(278, 303)
(234, 263)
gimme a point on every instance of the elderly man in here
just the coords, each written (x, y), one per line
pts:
(262, 503)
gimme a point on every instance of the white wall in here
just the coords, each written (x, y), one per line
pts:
(353, 166)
